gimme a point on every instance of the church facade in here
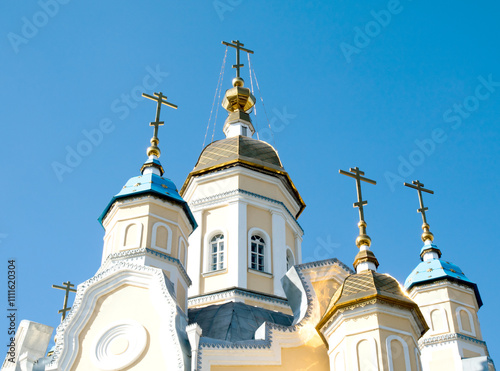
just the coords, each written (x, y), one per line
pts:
(211, 278)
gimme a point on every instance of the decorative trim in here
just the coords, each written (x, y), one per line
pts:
(238, 191)
(373, 349)
(259, 273)
(232, 293)
(137, 243)
(135, 253)
(405, 351)
(449, 337)
(154, 237)
(134, 338)
(267, 250)
(90, 290)
(471, 321)
(214, 273)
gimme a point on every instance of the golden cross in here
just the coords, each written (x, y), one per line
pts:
(356, 174)
(238, 47)
(160, 99)
(420, 187)
(68, 288)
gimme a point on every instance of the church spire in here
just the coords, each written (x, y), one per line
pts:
(429, 250)
(153, 164)
(365, 259)
(238, 100)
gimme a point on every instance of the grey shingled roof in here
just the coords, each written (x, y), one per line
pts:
(234, 321)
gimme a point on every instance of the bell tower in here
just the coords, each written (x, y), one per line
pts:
(246, 206)
(449, 302)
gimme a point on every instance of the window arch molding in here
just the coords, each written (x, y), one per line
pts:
(472, 331)
(157, 225)
(372, 357)
(137, 243)
(290, 258)
(182, 248)
(443, 316)
(207, 249)
(267, 248)
(405, 350)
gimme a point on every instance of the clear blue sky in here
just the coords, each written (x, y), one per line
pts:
(405, 90)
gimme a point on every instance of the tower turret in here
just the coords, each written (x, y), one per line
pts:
(449, 302)
(247, 208)
(370, 324)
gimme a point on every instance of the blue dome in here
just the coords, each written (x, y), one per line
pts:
(152, 184)
(436, 269)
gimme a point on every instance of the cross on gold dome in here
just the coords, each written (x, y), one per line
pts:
(160, 99)
(356, 173)
(238, 46)
(427, 235)
(68, 288)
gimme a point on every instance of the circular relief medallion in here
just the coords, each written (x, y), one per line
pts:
(119, 345)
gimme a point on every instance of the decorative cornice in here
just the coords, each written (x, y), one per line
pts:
(449, 337)
(238, 191)
(136, 253)
(231, 293)
(441, 282)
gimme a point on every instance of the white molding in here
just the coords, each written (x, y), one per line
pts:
(259, 273)
(444, 317)
(105, 281)
(131, 202)
(206, 249)
(417, 359)
(233, 195)
(471, 320)
(130, 331)
(267, 249)
(168, 250)
(288, 249)
(233, 171)
(138, 241)
(389, 352)
(373, 347)
(182, 243)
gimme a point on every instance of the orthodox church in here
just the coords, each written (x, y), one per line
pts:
(211, 278)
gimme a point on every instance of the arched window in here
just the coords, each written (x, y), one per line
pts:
(217, 252)
(257, 250)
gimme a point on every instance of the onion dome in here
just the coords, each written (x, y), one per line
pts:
(247, 152)
(367, 286)
(432, 269)
(155, 185)
(151, 180)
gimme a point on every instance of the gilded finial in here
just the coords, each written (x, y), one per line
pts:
(154, 150)
(363, 241)
(426, 235)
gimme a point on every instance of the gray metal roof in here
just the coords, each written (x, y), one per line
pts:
(234, 321)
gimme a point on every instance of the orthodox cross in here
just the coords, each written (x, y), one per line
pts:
(160, 99)
(356, 174)
(68, 288)
(420, 187)
(238, 47)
